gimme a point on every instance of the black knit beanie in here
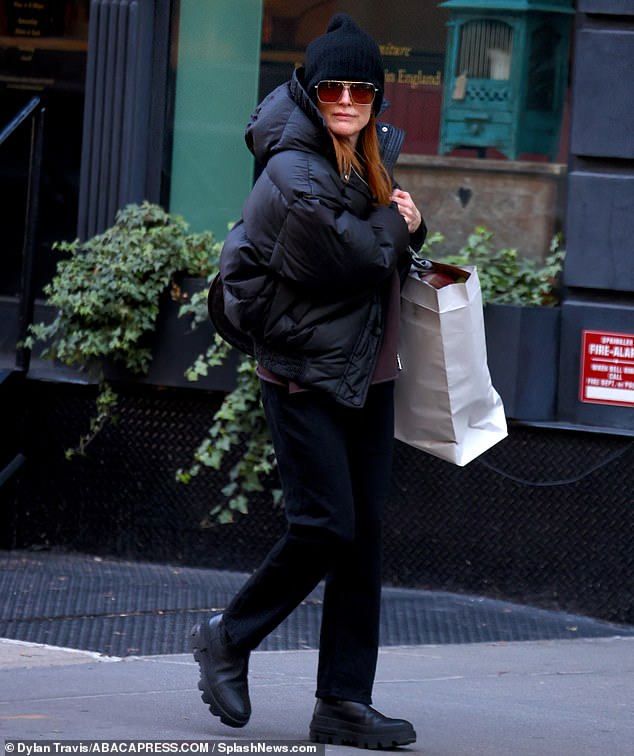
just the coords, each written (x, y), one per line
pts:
(345, 52)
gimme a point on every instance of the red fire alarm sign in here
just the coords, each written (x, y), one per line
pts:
(607, 368)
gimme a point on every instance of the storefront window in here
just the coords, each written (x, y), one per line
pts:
(414, 44)
(43, 47)
(411, 37)
(481, 93)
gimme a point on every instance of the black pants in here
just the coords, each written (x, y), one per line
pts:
(335, 465)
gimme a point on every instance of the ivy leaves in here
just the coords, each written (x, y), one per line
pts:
(106, 296)
(507, 277)
(106, 290)
(238, 430)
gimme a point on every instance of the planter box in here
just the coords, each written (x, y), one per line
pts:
(523, 355)
(175, 347)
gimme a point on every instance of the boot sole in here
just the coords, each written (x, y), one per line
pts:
(199, 648)
(338, 735)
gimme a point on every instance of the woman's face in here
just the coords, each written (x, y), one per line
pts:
(345, 118)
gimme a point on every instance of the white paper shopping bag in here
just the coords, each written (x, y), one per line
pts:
(445, 403)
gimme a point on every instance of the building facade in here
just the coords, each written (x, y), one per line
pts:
(518, 117)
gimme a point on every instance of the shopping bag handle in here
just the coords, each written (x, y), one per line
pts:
(423, 265)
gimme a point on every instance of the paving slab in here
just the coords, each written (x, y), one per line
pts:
(535, 698)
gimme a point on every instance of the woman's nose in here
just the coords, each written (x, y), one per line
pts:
(345, 97)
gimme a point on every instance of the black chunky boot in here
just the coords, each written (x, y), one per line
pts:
(357, 724)
(223, 674)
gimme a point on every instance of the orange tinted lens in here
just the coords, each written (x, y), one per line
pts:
(329, 91)
(361, 93)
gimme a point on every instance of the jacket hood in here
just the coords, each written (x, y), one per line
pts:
(287, 119)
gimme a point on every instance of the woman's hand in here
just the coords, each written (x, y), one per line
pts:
(407, 209)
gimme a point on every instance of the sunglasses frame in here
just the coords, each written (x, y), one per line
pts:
(346, 85)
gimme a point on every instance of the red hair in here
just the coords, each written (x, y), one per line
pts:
(367, 162)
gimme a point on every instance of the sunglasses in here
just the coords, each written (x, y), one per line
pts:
(331, 91)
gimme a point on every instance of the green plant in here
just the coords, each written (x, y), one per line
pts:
(238, 430)
(239, 424)
(106, 295)
(507, 277)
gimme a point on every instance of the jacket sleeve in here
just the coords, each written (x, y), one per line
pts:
(324, 248)
(324, 245)
(417, 239)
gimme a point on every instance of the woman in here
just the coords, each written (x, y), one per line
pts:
(311, 279)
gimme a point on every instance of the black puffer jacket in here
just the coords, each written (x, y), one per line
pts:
(306, 270)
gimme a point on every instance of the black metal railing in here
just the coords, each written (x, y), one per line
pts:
(11, 459)
(32, 112)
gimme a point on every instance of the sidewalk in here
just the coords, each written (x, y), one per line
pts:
(548, 698)
(536, 682)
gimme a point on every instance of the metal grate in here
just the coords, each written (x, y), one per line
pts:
(485, 50)
(485, 93)
(544, 518)
(123, 608)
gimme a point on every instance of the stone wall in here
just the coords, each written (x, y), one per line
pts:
(522, 203)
